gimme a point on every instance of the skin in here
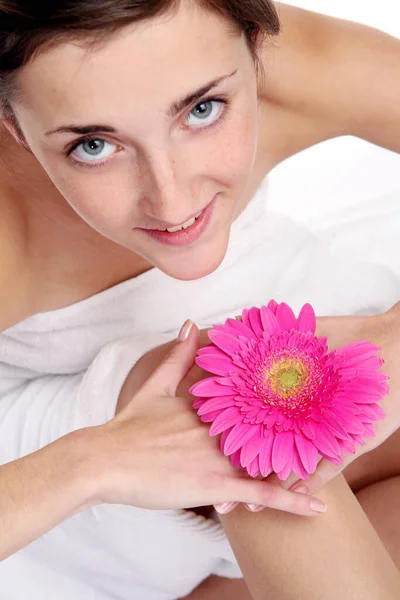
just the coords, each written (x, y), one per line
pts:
(70, 233)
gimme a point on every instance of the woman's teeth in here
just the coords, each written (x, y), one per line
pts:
(185, 225)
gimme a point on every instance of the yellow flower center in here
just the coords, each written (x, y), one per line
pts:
(286, 377)
(289, 378)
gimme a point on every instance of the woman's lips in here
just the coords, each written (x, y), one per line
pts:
(183, 237)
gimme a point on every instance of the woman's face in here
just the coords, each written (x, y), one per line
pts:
(156, 125)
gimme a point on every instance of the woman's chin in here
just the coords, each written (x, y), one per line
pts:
(196, 267)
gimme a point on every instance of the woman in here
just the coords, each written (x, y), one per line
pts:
(137, 133)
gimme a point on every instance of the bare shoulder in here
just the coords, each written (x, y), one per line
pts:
(14, 297)
(318, 82)
(291, 87)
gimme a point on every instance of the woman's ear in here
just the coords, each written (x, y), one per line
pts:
(12, 127)
(258, 39)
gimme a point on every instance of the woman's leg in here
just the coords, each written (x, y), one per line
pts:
(289, 557)
(374, 480)
(381, 503)
(336, 555)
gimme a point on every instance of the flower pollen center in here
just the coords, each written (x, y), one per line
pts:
(289, 378)
(286, 376)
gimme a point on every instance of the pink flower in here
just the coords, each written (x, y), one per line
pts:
(280, 399)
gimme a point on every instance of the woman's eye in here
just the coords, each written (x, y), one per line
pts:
(205, 113)
(93, 150)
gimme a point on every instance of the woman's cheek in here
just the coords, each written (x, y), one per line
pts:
(243, 135)
(102, 200)
(239, 154)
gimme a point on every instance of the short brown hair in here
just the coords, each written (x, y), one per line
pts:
(27, 26)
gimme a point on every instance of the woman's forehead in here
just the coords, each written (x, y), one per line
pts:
(152, 62)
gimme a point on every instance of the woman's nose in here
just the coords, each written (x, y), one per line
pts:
(166, 194)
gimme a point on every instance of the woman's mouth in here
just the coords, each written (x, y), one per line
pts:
(185, 225)
(186, 233)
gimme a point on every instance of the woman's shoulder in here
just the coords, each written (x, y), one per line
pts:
(297, 110)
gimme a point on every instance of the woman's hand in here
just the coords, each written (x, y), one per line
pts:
(384, 331)
(157, 454)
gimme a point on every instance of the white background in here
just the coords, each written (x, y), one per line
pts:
(346, 172)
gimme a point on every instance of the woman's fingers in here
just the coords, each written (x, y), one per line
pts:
(175, 365)
(261, 494)
(325, 472)
(225, 508)
(272, 479)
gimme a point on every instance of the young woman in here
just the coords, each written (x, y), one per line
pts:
(136, 137)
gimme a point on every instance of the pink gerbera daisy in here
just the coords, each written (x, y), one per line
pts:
(280, 399)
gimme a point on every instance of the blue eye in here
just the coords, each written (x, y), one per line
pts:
(93, 150)
(205, 112)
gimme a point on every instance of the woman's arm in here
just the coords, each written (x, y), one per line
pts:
(337, 556)
(51, 442)
(154, 454)
(43, 489)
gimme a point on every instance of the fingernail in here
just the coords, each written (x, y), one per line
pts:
(317, 505)
(301, 489)
(255, 507)
(224, 508)
(185, 331)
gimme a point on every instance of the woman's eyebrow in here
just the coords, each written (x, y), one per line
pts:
(82, 130)
(196, 95)
(176, 108)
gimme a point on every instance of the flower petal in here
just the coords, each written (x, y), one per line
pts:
(235, 459)
(218, 365)
(357, 353)
(211, 416)
(362, 396)
(367, 365)
(297, 466)
(348, 421)
(226, 419)
(325, 441)
(251, 449)
(215, 404)
(226, 342)
(239, 435)
(272, 305)
(307, 321)
(286, 317)
(308, 429)
(269, 321)
(198, 402)
(308, 453)
(209, 388)
(347, 446)
(254, 469)
(210, 349)
(370, 413)
(369, 430)
(265, 456)
(359, 439)
(286, 471)
(241, 328)
(222, 439)
(270, 419)
(337, 429)
(255, 321)
(282, 450)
